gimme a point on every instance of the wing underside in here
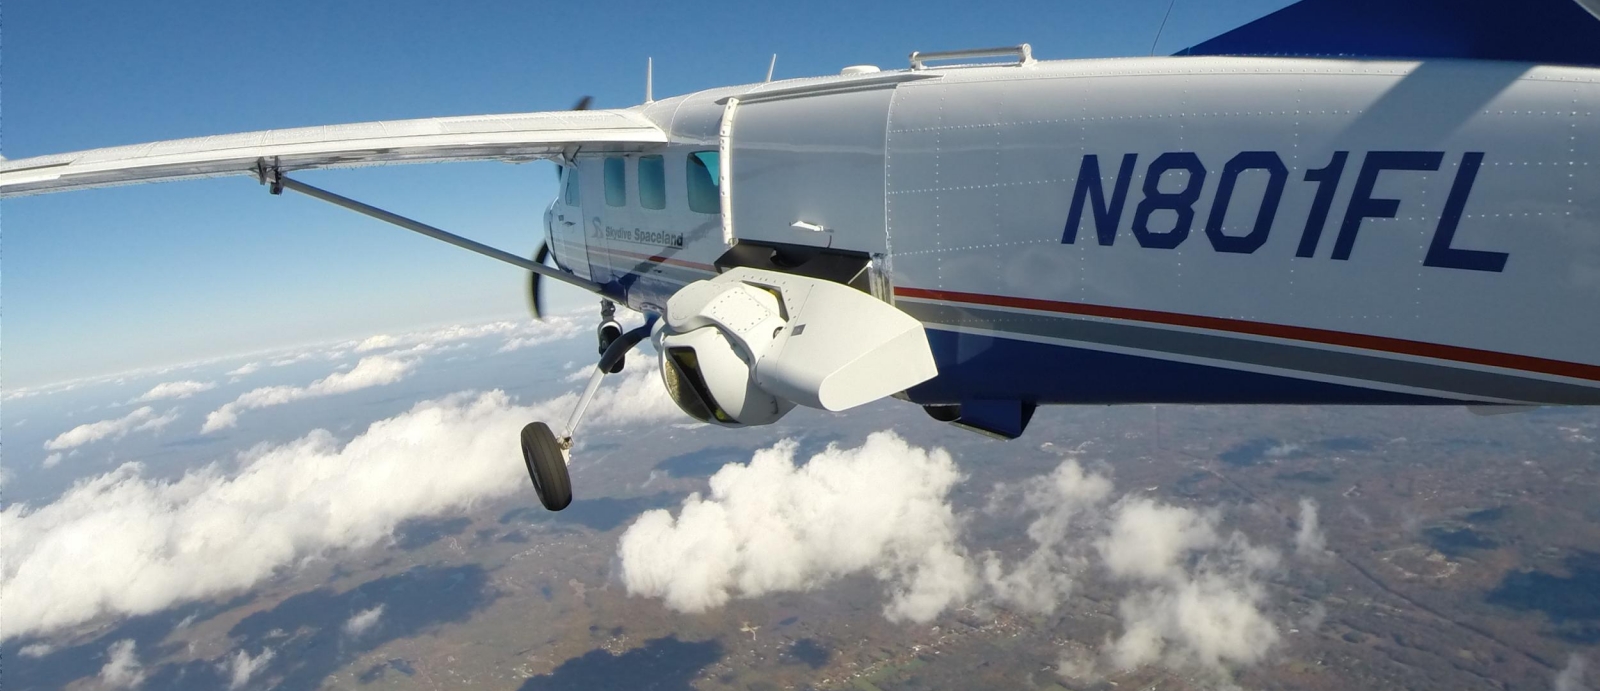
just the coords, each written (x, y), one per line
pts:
(512, 137)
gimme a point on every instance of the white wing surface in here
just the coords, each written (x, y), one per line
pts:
(509, 137)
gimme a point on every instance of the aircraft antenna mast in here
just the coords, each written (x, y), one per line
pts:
(649, 80)
(771, 65)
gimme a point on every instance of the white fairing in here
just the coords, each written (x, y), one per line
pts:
(764, 342)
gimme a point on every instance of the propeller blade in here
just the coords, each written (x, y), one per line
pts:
(535, 298)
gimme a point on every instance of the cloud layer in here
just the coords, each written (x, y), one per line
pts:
(377, 370)
(774, 526)
(1195, 598)
(140, 420)
(122, 543)
(175, 389)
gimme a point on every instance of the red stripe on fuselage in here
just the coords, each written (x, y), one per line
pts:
(1297, 333)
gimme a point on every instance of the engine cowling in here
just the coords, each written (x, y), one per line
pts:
(748, 346)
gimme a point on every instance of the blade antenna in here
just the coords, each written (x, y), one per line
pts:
(770, 67)
(1163, 27)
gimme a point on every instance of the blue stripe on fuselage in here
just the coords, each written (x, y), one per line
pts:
(978, 366)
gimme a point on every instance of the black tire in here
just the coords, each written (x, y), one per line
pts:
(547, 466)
(609, 332)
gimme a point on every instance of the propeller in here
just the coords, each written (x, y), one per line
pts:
(536, 298)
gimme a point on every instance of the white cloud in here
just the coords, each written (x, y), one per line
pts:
(1195, 599)
(772, 526)
(1309, 542)
(551, 329)
(363, 621)
(122, 668)
(1571, 676)
(140, 420)
(1200, 599)
(245, 369)
(51, 460)
(36, 650)
(124, 544)
(376, 370)
(1147, 538)
(518, 334)
(1044, 579)
(377, 342)
(241, 667)
(175, 389)
(292, 359)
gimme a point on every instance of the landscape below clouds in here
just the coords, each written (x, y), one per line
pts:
(357, 514)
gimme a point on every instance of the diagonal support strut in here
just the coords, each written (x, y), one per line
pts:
(277, 182)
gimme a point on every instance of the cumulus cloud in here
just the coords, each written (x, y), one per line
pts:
(52, 460)
(295, 359)
(175, 389)
(1309, 542)
(241, 667)
(1199, 596)
(377, 342)
(372, 371)
(551, 329)
(122, 669)
(1061, 499)
(140, 420)
(1195, 596)
(123, 544)
(517, 334)
(36, 650)
(363, 621)
(774, 526)
(1571, 676)
(244, 369)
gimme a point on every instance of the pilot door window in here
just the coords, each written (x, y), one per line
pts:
(616, 182)
(701, 173)
(652, 182)
(572, 186)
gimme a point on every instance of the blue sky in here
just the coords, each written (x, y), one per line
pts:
(108, 280)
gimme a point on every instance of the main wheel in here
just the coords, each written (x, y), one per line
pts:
(547, 466)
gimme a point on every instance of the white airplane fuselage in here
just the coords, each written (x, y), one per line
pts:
(1250, 230)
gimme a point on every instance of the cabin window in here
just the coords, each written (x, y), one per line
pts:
(703, 171)
(572, 185)
(652, 182)
(616, 182)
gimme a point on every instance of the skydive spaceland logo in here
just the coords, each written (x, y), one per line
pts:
(659, 238)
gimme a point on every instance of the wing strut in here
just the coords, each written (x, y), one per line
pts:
(277, 182)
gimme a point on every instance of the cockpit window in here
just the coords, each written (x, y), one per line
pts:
(616, 182)
(702, 175)
(572, 185)
(652, 182)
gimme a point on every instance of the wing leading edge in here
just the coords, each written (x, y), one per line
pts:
(509, 137)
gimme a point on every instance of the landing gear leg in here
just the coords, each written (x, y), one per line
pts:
(609, 331)
(546, 454)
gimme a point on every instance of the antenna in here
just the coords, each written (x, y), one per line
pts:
(1162, 28)
(771, 65)
(649, 79)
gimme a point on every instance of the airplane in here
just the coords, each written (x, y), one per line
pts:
(1345, 202)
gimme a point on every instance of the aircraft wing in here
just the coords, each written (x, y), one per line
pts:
(509, 137)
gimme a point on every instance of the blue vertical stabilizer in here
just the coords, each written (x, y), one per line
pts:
(1539, 31)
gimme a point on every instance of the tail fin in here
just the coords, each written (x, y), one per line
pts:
(1541, 31)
